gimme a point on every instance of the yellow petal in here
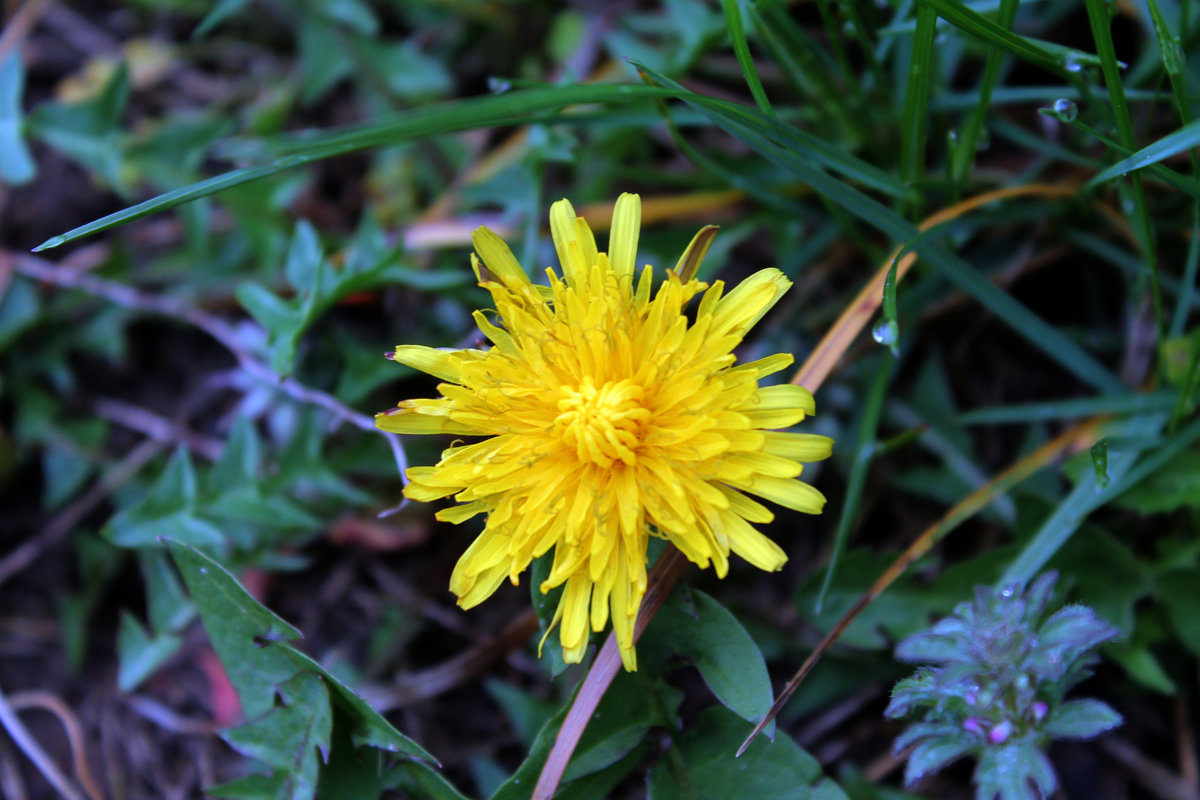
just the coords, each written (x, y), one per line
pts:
(498, 258)
(623, 240)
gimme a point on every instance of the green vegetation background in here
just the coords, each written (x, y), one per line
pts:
(206, 373)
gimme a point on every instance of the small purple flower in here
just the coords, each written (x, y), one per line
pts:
(1039, 710)
(972, 725)
(1000, 733)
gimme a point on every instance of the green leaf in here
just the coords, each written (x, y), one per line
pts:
(20, 308)
(290, 736)
(17, 166)
(367, 726)
(140, 654)
(728, 659)
(239, 627)
(631, 706)
(1175, 485)
(239, 461)
(88, 131)
(167, 604)
(703, 766)
(544, 605)
(1081, 719)
(932, 754)
(167, 511)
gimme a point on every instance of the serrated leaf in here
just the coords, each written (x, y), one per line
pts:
(140, 654)
(779, 770)
(17, 166)
(1081, 719)
(728, 659)
(290, 736)
(240, 629)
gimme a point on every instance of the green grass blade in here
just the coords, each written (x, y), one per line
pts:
(864, 453)
(914, 121)
(1028, 413)
(1042, 335)
(741, 48)
(1184, 139)
(962, 157)
(1101, 30)
(507, 109)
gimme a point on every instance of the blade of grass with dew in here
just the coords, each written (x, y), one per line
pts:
(1125, 472)
(1184, 139)
(963, 156)
(1097, 11)
(1068, 409)
(507, 109)
(976, 25)
(748, 126)
(864, 453)
(741, 48)
(915, 116)
(1159, 171)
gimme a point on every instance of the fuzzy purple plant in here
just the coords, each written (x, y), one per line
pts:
(993, 684)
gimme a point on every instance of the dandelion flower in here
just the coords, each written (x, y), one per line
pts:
(609, 418)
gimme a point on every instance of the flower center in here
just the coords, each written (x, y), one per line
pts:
(602, 424)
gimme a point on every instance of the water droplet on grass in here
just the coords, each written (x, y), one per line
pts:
(1066, 109)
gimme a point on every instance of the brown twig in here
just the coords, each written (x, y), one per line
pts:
(429, 683)
(156, 427)
(34, 752)
(75, 736)
(1150, 774)
(20, 24)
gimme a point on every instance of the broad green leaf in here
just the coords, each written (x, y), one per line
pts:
(240, 628)
(291, 736)
(17, 166)
(728, 659)
(703, 766)
(239, 461)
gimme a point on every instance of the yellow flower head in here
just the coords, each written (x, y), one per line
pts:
(609, 419)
